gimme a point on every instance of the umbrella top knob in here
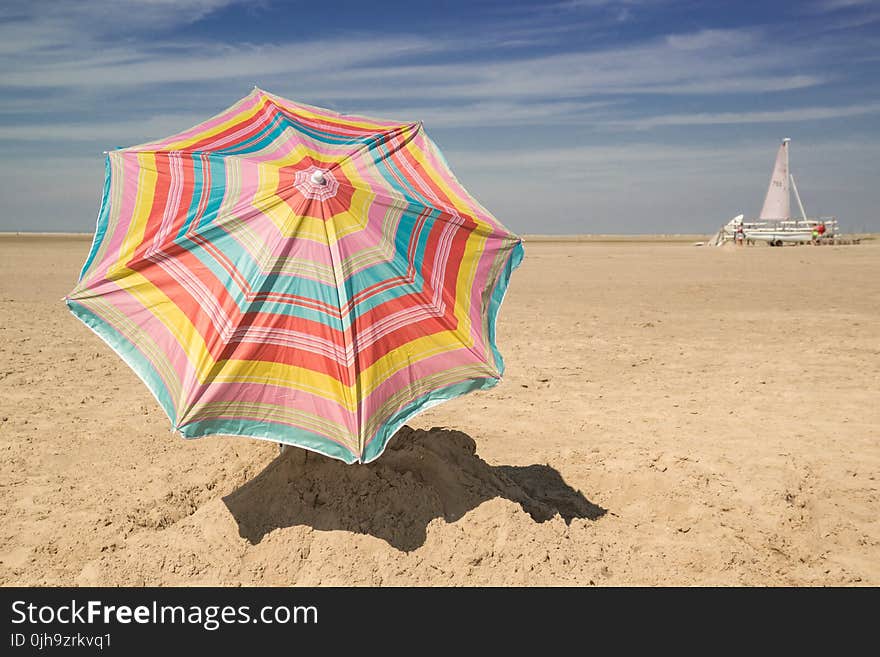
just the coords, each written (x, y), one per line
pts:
(318, 178)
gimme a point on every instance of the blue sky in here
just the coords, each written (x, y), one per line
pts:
(576, 116)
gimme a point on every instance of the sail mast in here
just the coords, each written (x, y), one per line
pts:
(798, 198)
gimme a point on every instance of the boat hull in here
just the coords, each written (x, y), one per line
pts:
(797, 237)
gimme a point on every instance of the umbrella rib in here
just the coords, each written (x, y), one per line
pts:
(427, 299)
(229, 348)
(347, 333)
(403, 203)
(383, 137)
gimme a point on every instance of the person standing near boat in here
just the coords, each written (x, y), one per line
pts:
(740, 234)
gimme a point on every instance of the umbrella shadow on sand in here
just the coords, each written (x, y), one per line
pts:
(422, 475)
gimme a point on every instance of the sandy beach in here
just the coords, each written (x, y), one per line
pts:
(670, 415)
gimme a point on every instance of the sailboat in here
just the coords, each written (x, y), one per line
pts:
(775, 225)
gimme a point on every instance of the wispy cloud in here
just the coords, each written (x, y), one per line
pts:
(118, 16)
(654, 159)
(131, 67)
(503, 113)
(107, 132)
(622, 8)
(670, 66)
(793, 115)
(842, 15)
(834, 5)
(78, 78)
(409, 77)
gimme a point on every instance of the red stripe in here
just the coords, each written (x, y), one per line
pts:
(252, 125)
(192, 308)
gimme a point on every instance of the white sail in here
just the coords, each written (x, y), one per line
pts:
(777, 203)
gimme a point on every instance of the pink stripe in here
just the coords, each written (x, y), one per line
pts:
(239, 108)
(124, 211)
(269, 394)
(492, 247)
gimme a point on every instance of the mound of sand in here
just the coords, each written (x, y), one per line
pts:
(423, 475)
(304, 501)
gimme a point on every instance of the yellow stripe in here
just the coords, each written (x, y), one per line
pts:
(241, 117)
(475, 243)
(427, 168)
(143, 205)
(289, 223)
(279, 374)
(304, 110)
(324, 385)
(200, 360)
(166, 311)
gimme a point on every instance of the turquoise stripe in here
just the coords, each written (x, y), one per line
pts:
(217, 166)
(249, 270)
(275, 128)
(409, 192)
(103, 220)
(272, 131)
(222, 240)
(258, 141)
(398, 266)
(320, 135)
(128, 352)
(514, 259)
(198, 179)
(274, 431)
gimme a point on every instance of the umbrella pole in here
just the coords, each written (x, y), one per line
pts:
(299, 457)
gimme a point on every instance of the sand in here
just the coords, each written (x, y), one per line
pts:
(670, 415)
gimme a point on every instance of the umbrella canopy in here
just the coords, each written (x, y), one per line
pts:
(285, 272)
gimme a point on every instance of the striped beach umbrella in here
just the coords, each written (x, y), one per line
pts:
(285, 272)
